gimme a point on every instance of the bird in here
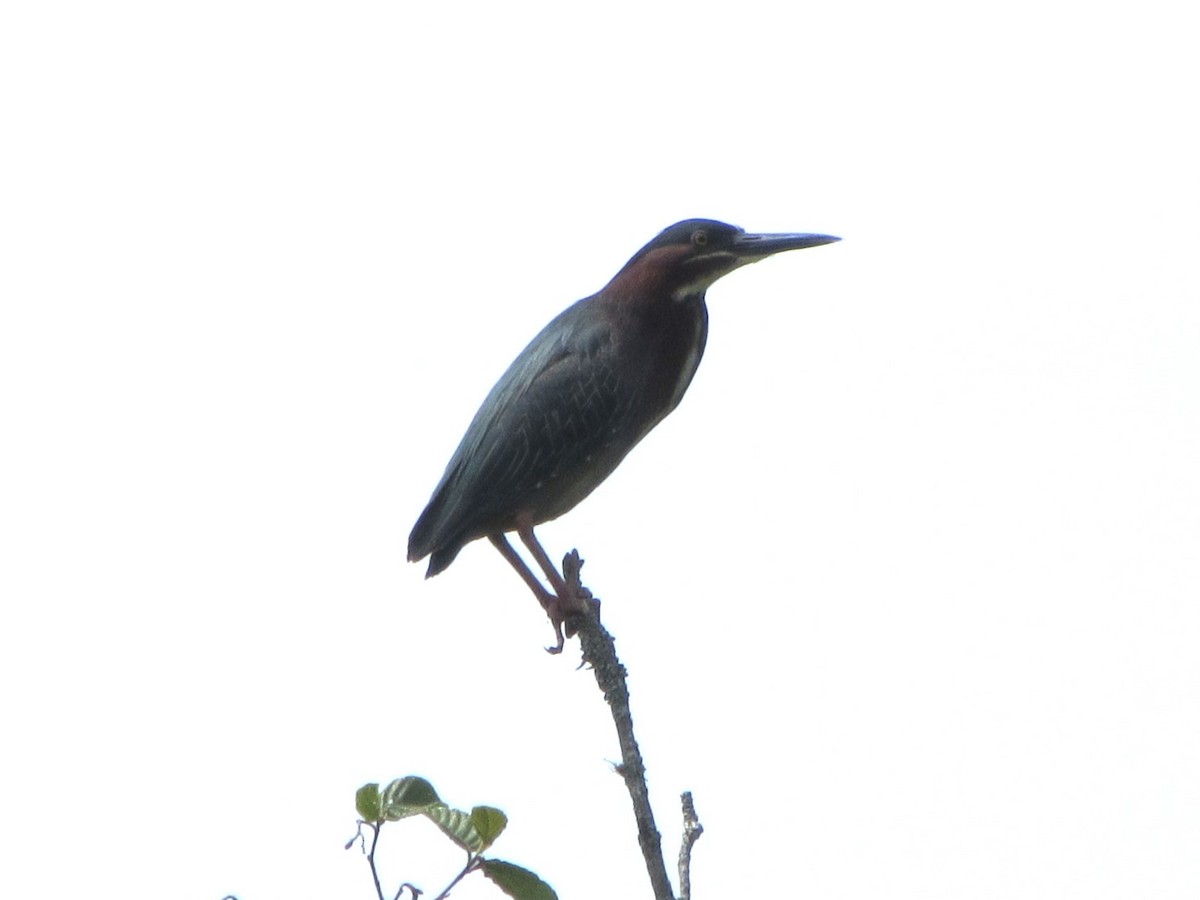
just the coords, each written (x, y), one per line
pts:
(579, 397)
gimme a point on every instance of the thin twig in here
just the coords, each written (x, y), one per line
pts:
(692, 829)
(600, 653)
(371, 857)
(471, 866)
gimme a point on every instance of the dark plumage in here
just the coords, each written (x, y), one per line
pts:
(585, 391)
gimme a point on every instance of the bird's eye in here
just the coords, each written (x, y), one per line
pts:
(699, 237)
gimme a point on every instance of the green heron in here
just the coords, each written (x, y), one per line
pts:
(580, 396)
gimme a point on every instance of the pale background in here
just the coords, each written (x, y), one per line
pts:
(909, 586)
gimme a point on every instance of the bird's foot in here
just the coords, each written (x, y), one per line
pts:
(567, 609)
(567, 614)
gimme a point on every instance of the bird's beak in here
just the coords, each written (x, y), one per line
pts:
(753, 247)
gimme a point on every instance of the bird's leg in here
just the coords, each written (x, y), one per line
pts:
(549, 602)
(529, 539)
(573, 597)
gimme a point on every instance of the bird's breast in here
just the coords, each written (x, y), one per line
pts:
(671, 340)
(694, 335)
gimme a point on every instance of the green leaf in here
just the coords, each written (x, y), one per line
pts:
(457, 826)
(519, 883)
(489, 822)
(366, 801)
(408, 796)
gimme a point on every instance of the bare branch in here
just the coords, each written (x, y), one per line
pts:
(600, 652)
(692, 829)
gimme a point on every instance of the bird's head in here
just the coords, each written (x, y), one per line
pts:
(685, 259)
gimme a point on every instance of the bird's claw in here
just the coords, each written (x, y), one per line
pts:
(566, 615)
(567, 609)
(558, 647)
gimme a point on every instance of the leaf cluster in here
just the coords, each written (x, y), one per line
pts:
(473, 831)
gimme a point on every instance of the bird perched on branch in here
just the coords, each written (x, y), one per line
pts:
(580, 397)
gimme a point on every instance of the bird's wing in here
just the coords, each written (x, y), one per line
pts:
(556, 406)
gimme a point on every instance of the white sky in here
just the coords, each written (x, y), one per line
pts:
(909, 586)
